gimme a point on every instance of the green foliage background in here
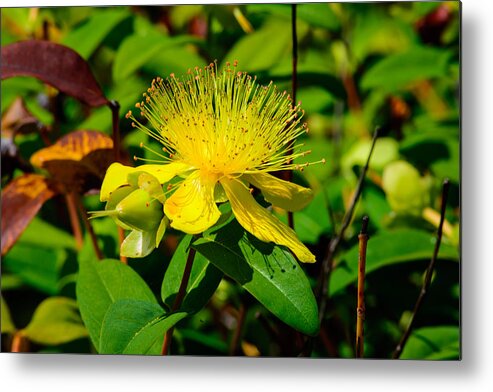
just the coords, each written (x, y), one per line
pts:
(359, 66)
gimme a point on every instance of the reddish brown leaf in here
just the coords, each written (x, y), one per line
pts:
(54, 64)
(78, 160)
(21, 200)
(18, 119)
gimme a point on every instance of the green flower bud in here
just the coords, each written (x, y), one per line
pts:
(140, 211)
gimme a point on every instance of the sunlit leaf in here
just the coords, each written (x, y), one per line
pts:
(100, 284)
(54, 64)
(56, 321)
(135, 327)
(271, 274)
(434, 343)
(21, 200)
(388, 248)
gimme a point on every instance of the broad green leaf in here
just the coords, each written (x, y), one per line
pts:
(101, 283)
(86, 38)
(376, 32)
(438, 150)
(56, 321)
(37, 266)
(204, 279)
(433, 343)
(7, 325)
(177, 59)
(148, 47)
(317, 15)
(52, 237)
(388, 248)
(135, 327)
(400, 70)
(268, 272)
(262, 49)
(38, 259)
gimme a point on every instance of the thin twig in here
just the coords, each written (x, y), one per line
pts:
(429, 272)
(89, 228)
(361, 310)
(294, 85)
(74, 219)
(328, 262)
(179, 298)
(240, 320)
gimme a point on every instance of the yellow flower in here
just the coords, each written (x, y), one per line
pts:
(221, 133)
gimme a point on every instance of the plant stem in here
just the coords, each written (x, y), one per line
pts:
(90, 230)
(179, 298)
(115, 117)
(360, 310)
(121, 237)
(328, 262)
(294, 85)
(20, 343)
(429, 272)
(74, 219)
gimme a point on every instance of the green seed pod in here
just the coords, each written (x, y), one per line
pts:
(140, 211)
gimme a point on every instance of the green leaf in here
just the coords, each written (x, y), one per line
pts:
(135, 327)
(433, 343)
(318, 15)
(262, 49)
(268, 272)
(388, 248)
(148, 47)
(37, 266)
(400, 70)
(86, 38)
(204, 279)
(100, 284)
(52, 237)
(56, 321)
(7, 324)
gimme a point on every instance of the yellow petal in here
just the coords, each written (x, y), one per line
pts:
(165, 172)
(283, 194)
(261, 223)
(116, 175)
(192, 208)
